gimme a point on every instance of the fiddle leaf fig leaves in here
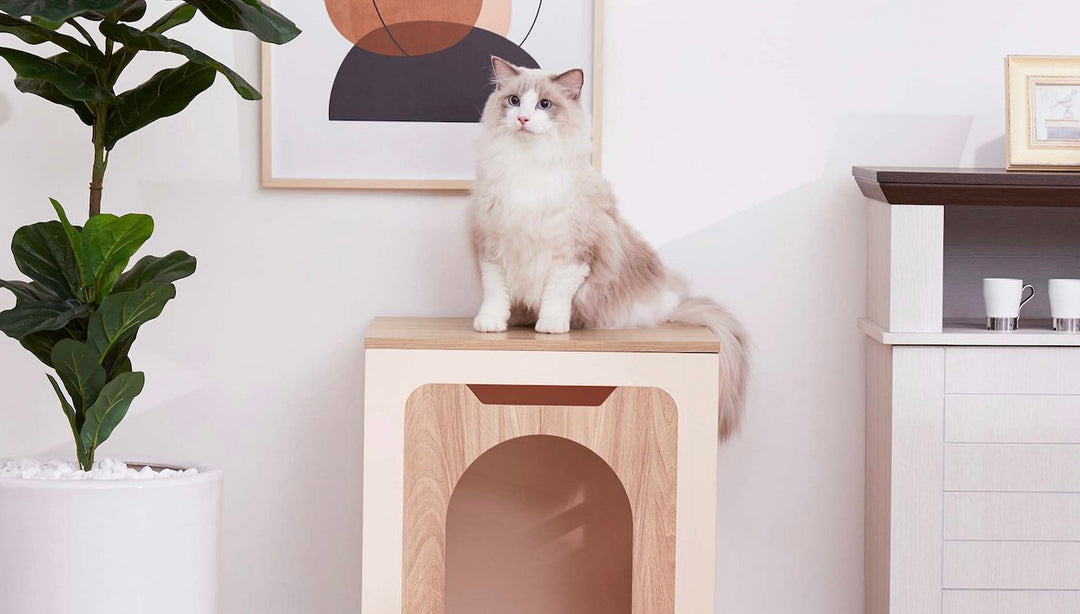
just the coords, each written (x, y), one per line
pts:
(78, 368)
(152, 41)
(166, 93)
(264, 22)
(110, 408)
(121, 315)
(35, 35)
(108, 243)
(80, 312)
(69, 83)
(58, 11)
(43, 254)
(155, 269)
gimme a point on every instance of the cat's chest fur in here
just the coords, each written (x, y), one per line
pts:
(529, 224)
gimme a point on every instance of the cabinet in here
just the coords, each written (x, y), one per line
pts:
(972, 455)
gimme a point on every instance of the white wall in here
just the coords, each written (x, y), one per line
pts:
(729, 131)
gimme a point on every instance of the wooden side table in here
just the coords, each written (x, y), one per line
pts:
(539, 473)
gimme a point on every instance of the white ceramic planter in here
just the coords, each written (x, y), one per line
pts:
(110, 547)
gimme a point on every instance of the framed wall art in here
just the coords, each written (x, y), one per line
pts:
(388, 93)
(1042, 100)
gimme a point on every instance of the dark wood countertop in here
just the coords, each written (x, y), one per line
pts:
(968, 186)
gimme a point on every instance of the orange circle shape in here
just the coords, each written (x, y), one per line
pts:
(405, 27)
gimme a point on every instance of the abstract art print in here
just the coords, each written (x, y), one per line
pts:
(1042, 112)
(388, 93)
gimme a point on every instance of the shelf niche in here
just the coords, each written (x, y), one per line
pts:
(1030, 243)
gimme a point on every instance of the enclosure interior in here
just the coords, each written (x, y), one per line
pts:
(1030, 243)
(537, 523)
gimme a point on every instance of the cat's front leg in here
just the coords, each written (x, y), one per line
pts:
(556, 304)
(495, 310)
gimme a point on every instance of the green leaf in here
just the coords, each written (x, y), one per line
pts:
(135, 12)
(255, 17)
(166, 93)
(50, 92)
(29, 292)
(30, 318)
(75, 242)
(43, 254)
(35, 34)
(41, 344)
(70, 83)
(179, 15)
(69, 411)
(108, 243)
(117, 361)
(78, 368)
(110, 408)
(152, 41)
(58, 10)
(154, 269)
(121, 315)
(45, 23)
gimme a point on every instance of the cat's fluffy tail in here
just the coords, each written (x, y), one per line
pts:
(734, 355)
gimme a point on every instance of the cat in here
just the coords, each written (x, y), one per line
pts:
(553, 250)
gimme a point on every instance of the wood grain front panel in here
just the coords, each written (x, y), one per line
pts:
(1012, 565)
(1012, 467)
(982, 418)
(635, 431)
(1011, 602)
(1012, 370)
(1012, 516)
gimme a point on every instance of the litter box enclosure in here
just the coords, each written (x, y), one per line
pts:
(530, 473)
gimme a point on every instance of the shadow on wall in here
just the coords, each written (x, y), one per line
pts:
(991, 153)
(793, 269)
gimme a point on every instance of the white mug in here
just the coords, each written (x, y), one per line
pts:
(1065, 304)
(1004, 297)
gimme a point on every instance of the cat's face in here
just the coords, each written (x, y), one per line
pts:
(532, 103)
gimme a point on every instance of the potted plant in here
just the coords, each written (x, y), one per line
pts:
(122, 544)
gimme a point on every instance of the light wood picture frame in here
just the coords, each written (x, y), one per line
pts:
(302, 147)
(1042, 113)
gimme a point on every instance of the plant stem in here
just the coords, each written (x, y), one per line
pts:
(90, 39)
(97, 178)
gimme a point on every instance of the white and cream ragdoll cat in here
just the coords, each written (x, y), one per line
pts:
(553, 250)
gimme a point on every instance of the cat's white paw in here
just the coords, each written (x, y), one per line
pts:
(553, 324)
(490, 323)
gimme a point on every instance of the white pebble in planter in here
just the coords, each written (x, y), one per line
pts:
(121, 539)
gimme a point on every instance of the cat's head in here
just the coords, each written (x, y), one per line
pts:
(531, 103)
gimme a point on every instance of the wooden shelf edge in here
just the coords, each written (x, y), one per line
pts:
(970, 335)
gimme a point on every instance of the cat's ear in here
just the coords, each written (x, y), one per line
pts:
(502, 69)
(571, 82)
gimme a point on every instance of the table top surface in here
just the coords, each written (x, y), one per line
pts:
(458, 334)
(965, 176)
(968, 186)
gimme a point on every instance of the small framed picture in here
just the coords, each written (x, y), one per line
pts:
(1042, 112)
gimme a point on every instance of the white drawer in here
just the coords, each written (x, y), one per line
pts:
(1011, 565)
(1012, 418)
(1012, 370)
(1010, 602)
(1001, 467)
(1012, 516)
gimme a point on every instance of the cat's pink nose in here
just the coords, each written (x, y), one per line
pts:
(523, 120)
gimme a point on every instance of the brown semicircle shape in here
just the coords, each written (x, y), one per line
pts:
(411, 27)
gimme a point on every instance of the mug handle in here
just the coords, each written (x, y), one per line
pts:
(1025, 301)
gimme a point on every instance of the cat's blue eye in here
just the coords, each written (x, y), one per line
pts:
(513, 101)
(544, 104)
